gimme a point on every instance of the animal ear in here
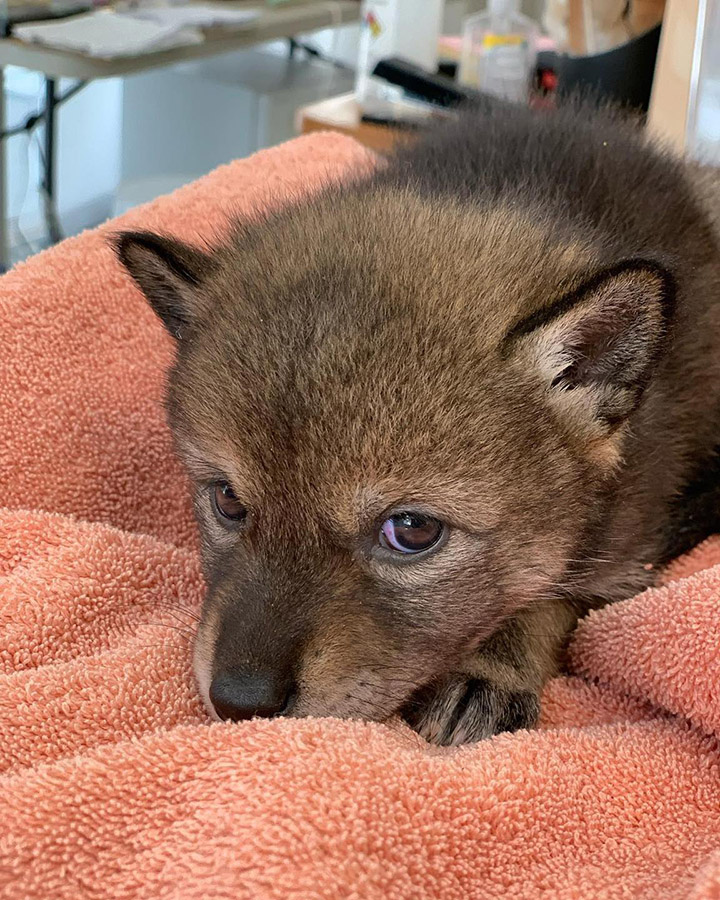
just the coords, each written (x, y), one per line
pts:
(168, 272)
(595, 349)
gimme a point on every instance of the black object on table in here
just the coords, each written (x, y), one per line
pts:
(438, 90)
(623, 75)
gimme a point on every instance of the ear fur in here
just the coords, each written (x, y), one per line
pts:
(595, 349)
(168, 272)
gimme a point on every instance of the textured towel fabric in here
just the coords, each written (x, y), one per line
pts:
(114, 785)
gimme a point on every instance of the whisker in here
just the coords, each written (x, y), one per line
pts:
(175, 607)
(184, 631)
(171, 612)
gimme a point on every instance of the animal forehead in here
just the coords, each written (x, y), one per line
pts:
(360, 334)
(390, 246)
(348, 407)
(372, 284)
(346, 455)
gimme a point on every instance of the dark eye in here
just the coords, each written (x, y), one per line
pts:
(410, 532)
(226, 503)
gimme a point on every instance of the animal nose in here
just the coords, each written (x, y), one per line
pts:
(238, 696)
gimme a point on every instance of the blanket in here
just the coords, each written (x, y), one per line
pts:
(114, 783)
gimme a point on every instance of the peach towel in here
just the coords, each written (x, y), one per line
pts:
(115, 786)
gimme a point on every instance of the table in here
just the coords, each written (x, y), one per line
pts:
(273, 23)
(342, 114)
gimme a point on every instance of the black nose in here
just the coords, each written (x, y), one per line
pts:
(238, 696)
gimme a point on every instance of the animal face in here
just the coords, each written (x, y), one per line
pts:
(398, 416)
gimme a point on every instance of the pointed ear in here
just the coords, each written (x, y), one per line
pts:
(168, 272)
(595, 349)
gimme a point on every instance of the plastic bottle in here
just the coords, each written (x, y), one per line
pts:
(499, 51)
(396, 28)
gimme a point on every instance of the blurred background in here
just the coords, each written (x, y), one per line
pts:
(105, 106)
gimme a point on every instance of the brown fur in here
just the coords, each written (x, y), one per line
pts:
(487, 358)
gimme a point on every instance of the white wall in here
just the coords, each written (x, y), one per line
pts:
(704, 137)
(89, 148)
(180, 123)
(123, 142)
(87, 162)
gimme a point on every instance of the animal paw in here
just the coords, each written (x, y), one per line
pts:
(462, 710)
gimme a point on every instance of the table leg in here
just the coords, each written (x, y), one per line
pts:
(4, 243)
(48, 179)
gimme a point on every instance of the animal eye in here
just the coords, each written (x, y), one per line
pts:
(226, 502)
(410, 532)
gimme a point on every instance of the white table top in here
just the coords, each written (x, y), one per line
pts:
(274, 23)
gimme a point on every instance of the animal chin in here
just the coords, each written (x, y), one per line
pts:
(355, 697)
